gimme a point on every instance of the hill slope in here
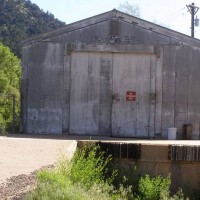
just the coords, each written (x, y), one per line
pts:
(21, 19)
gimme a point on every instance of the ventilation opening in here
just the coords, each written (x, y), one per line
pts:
(119, 150)
(184, 153)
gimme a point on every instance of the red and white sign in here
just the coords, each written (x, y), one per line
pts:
(130, 96)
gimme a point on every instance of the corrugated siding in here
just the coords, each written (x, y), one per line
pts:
(44, 92)
(180, 95)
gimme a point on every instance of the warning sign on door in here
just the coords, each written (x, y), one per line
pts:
(130, 96)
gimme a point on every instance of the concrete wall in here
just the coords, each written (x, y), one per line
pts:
(154, 161)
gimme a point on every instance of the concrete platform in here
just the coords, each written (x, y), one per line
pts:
(108, 139)
(22, 154)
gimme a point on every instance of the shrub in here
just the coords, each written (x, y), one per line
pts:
(52, 191)
(87, 177)
(90, 166)
(83, 178)
(154, 188)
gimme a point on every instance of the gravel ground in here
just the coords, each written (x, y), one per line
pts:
(17, 186)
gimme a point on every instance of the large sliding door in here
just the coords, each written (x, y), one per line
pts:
(102, 83)
(133, 92)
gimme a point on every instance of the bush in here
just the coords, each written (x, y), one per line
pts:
(90, 166)
(87, 177)
(154, 188)
(157, 188)
(82, 178)
(52, 191)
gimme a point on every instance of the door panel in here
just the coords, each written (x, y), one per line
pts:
(90, 93)
(93, 91)
(105, 98)
(124, 121)
(132, 72)
(78, 93)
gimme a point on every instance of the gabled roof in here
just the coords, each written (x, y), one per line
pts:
(106, 16)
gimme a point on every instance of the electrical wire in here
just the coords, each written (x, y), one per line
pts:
(172, 14)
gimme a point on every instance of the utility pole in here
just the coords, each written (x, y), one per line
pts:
(193, 10)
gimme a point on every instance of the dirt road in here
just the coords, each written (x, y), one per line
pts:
(25, 155)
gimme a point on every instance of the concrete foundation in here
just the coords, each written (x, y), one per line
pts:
(156, 158)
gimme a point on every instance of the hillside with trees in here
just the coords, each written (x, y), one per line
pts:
(21, 19)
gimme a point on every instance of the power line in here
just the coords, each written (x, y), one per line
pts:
(172, 14)
(177, 17)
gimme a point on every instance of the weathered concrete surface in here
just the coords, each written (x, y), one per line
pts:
(25, 155)
(156, 159)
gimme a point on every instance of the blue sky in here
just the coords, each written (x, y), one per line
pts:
(172, 13)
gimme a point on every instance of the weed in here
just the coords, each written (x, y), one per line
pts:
(152, 188)
(89, 166)
(87, 177)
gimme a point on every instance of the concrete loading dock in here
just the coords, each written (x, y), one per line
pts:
(112, 75)
(23, 154)
(180, 159)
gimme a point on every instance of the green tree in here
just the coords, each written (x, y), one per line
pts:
(10, 72)
(131, 9)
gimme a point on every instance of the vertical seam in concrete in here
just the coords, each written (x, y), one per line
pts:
(112, 85)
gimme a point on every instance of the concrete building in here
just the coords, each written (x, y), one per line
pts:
(113, 75)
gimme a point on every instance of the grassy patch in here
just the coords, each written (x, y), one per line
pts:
(88, 176)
